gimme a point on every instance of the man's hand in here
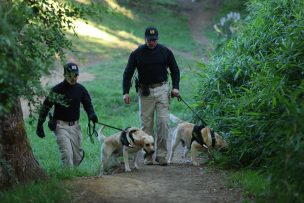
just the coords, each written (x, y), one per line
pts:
(126, 98)
(93, 118)
(174, 93)
(40, 131)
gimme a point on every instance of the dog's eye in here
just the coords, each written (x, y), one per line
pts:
(147, 145)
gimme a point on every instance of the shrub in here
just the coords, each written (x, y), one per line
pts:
(253, 89)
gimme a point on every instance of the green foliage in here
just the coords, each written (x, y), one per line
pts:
(254, 182)
(32, 33)
(36, 192)
(253, 90)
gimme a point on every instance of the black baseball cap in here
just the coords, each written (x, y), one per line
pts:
(71, 68)
(151, 33)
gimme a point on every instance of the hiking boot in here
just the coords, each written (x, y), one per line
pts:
(161, 161)
(148, 160)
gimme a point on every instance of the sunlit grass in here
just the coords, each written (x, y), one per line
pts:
(84, 1)
(120, 39)
(126, 12)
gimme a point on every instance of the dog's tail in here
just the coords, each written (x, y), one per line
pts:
(174, 119)
(101, 136)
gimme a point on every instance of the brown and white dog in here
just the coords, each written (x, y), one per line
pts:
(195, 138)
(132, 140)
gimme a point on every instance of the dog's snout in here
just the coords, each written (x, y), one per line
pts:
(152, 151)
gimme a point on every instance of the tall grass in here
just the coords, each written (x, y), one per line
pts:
(253, 91)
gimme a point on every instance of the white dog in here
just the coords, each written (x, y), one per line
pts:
(132, 140)
(195, 138)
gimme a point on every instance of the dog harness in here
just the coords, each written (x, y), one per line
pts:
(124, 139)
(196, 136)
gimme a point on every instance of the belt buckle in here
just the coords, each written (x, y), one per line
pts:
(71, 123)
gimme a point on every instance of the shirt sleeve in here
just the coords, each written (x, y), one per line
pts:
(174, 70)
(87, 103)
(44, 110)
(128, 73)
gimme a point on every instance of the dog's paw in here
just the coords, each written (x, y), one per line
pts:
(128, 170)
(188, 161)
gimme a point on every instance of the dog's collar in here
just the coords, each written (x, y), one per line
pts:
(213, 138)
(124, 139)
(196, 136)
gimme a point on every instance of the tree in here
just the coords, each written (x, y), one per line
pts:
(32, 34)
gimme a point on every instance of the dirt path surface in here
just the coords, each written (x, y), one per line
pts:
(178, 182)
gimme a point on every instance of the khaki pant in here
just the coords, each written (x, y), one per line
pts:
(69, 139)
(157, 102)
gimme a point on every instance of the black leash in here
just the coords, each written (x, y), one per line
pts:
(92, 131)
(110, 126)
(179, 98)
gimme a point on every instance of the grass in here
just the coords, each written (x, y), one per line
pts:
(48, 192)
(253, 182)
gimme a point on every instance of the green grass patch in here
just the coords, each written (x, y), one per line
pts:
(49, 191)
(253, 182)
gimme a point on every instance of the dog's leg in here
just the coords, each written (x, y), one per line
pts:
(105, 157)
(101, 161)
(186, 151)
(174, 144)
(136, 155)
(126, 159)
(193, 154)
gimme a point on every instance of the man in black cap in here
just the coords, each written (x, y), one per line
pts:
(152, 61)
(66, 97)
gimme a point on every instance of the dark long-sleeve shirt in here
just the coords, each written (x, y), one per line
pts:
(152, 66)
(67, 99)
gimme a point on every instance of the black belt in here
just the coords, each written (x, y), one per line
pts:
(154, 85)
(69, 123)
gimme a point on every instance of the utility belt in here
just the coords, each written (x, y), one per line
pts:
(69, 123)
(145, 87)
(153, 85)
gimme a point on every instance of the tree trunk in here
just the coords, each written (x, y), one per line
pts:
(17, 162)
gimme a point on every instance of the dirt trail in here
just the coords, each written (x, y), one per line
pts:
(178, 182)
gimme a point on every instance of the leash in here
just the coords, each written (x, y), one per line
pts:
(91, 130)
(110, 126)
(179, 98)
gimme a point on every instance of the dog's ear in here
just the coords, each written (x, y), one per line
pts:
(127, 128)
(132, 131)
(140, 142)
(204, 134)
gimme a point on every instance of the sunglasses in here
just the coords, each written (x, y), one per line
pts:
(72, 74)
(152, 40)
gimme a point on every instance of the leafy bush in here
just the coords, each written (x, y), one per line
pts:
(32, 33)
(253, 90)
